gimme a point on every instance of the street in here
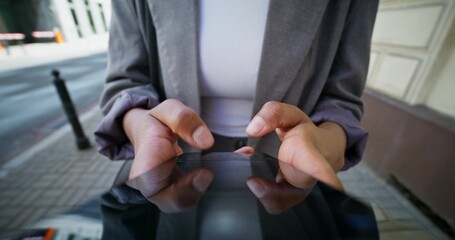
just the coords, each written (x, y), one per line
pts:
(30, 108)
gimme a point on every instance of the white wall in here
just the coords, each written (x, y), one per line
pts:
(442, 95)
(82, 17)
(69, 28)
(408, 38)
(97, 18)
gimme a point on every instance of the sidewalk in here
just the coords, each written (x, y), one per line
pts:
(30, 55)
(53, 177)
(397, 218)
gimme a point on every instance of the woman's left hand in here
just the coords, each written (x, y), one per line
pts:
(308, 153)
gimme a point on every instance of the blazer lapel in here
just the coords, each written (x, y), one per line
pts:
(290, 30)
(176, 24)
(281, 59)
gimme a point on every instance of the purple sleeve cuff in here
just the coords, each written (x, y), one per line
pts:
(356, 136)
(110, 138)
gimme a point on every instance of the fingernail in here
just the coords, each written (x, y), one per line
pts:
(256, 188)
(203, 137)
(256, 125)
(202, 181)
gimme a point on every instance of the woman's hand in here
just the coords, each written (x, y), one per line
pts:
(307, 153)
(154, 135)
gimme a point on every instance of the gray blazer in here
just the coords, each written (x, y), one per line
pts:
(315, 56)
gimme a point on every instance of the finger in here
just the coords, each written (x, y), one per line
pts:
(279, 176)
(154, 151)
(178, 150)
(151, 139)
(247, 150)
(275, 115)
(276, 197)
(295, 177)
(152, 181)
(184, 122)
(185, 193)
(308, 160)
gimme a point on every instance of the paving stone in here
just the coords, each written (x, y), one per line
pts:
(378, 213)
(61, 167)
(83, 183)
(82, 165)
(5, 183)
(4, 202)
(37, 214)
(104, 165)
(408, 235)
(10, 212)
(94, 166)
(399, 225)
(20, 198)
(68, 180)
(16, 182)
(76, 170)
(37, 170)
(398, 213)
(4, 222)
(47, 198)
(72, 197)
(28, 197)
(10, 193)
(104, 180)
(376, 192)
(56, 210)
(96, 192)
(27, 181)
(357, 193)
(387, 202)
(20, 218)
(42, 183)
(88, 175)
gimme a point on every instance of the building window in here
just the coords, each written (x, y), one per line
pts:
(78, 27)
(103, 18)
(90, 17)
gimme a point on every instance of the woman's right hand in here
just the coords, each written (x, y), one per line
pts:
(154, 135)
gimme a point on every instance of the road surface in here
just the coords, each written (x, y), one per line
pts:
(30, 108)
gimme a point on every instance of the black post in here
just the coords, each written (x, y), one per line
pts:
(81, 140)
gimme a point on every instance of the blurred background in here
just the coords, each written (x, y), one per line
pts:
(37, 36)
(410, 102)
(409, 98)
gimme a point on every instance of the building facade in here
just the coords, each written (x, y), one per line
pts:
(82, 18)
(75, 19)
(410, 101)
(413, 55)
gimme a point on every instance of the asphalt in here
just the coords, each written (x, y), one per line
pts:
(53, 177)
(30, 106)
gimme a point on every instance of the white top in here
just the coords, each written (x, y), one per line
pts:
(230, 45)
